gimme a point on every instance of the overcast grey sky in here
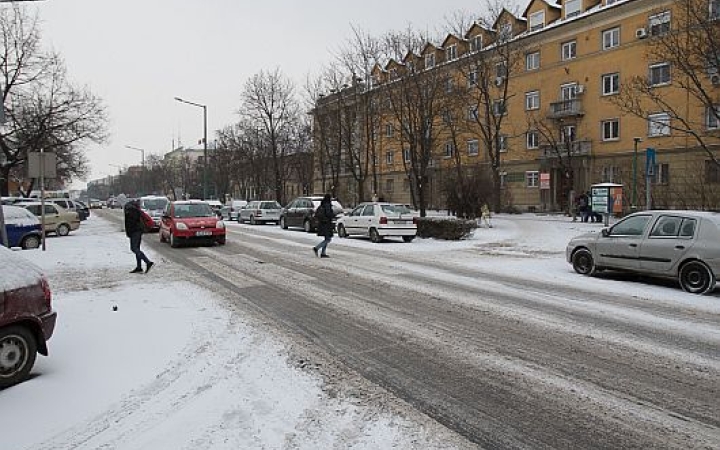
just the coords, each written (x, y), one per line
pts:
(140, 54)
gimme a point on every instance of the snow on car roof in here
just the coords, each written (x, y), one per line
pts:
(17, 272)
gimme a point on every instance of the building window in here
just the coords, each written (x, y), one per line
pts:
(532, 100)
(711, 117)
(476, 43)
(659, 23)
(389, 185)
(712, 172)
(662, 174)
(506, 32)
(472, 78)
(503, 180)
(499, 108)
(406, 154)
(449, 150)
(611, 84)
(472, 113)
(610, 174)
(447, 117)
(568, 91)
(532, 61)
(532, 140)
(451, 53)
(611, 38)
(389, 157)
(660, 74)
(569, 50)
(430, 61)
(573, 8)
(502, 142)
(449, 84)
(501, 70)
(532, 178)
(568, 134)
(659, 124)
(473, 147)
(611, 130)
(537, 21)
(389, 130)
(714, 9)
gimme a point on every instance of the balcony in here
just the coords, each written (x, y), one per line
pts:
(566, 150)
(566, 108)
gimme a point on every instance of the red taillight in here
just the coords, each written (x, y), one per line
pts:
(46, 292)
(383, 220)
(258, 213)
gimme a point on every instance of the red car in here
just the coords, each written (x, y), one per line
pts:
(191, 221)
(27, 319)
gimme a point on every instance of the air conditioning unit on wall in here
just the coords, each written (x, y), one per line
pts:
(580, 89)
(641, 33)
(499, 81)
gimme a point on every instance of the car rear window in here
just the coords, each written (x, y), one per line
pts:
(154, 203)
(269, 205)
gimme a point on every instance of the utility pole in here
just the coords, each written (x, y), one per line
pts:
(633, 205)
(205, 156)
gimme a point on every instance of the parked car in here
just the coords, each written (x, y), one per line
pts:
(665, 243)
(155, 207)
(378, 221)
(235, 207)
(82, 209)
(191, 221)
(258, 212)
(69, 205)
(225, 213)
(301, 213)
(216, 206)
(27, 320)
(57, 219)
(22, 227)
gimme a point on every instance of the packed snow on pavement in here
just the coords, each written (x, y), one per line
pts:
(173, 366)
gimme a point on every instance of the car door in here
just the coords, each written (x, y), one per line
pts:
(291, 213)
(52, 216)
(367, 220)
(351, 221)
(670, 238)
(619, 248)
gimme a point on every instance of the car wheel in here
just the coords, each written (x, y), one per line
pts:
(307, 226)
(283, 225)
(30, 242)
(375, 236)
(252, 220)
(696, 278)
(408, 238)
(173, 241)
(221, 241)
(583, 262)
(63, 229)
(341, 231)
(18, 350)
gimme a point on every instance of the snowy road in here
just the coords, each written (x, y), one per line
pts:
(499, 342)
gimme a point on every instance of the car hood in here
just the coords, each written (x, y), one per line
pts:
(586, 237)
(199, 222)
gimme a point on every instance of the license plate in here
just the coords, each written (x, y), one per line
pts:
(203, 233)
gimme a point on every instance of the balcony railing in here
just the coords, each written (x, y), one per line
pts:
(564, 149)
(566, 108)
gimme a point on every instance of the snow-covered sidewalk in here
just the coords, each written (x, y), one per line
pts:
(173, 368)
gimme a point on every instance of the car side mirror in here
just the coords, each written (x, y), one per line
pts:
(605, 232)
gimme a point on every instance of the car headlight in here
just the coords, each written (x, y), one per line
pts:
(181, 226)
(220, 224)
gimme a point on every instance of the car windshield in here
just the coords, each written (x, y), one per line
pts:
(193, 210)
(154, 203)
(270, 205)
(396, 209)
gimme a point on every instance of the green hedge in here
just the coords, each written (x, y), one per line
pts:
(450, 228)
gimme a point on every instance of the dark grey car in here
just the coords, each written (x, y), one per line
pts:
(300, 213)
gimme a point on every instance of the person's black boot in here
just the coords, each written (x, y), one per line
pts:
(137, 270)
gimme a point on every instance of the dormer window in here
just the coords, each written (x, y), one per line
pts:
(506, 32)
(393, 74)
(537, 21)
(451, 53)
(430, 61)
(573, 8)
(476, 43)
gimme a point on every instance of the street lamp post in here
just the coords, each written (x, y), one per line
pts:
(633, 205)
(142, 170)
(205, 160)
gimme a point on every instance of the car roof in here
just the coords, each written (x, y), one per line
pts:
(709, 215)
(188, 202)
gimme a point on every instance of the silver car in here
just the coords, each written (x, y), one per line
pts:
(675, 244)
(257, 212)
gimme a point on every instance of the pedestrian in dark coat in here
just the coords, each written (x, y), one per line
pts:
(325, 227)
(134, 229)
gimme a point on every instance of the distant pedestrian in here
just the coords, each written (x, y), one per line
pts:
(134, 229)
(325, 228)
(583, 207)
(485, 215)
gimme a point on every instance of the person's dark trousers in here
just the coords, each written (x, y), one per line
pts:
(135, 240)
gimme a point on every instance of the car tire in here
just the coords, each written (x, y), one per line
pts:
(307, 226)
(30, 242)
(173, 241)
(283, 225)
(408, 238)
(221, 241)
(696, 277)
(583, 262)
(63, 229)
(375, 236)
(252, 220)
(18, 350)
(341, 231)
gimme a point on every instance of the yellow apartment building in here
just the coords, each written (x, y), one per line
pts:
(582, 92)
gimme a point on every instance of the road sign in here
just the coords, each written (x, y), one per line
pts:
(48, 169)
(650, 162)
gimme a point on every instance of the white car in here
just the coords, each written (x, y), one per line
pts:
(257, 212)
(378, 221)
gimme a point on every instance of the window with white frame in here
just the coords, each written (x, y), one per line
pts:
(662, 173)
(389, 155)
(532, 100)
(568, 91)
(451, 53)
(473, 147)
(611, 38)
(406, 154)
(430, 61)
(506, 32)
(711, 117)
(472, 112)
(610, 2)
(660, 74)
(503, 180)
(472, 78)
(502, 142)
(447, 117)
(569, 50)
(659, 23)
(499, 108)
(532, 140)
(610, 130)
(714, 9)
(659, 124)
(610, 174)
(532, 61)
(501, 70)
(610, 84)
(532, 178)
(389, 185)
(449, 84)
(573, 8)
(568, 133)
(449, 150)
(476, 43)
(537, 20)
(389, 130)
